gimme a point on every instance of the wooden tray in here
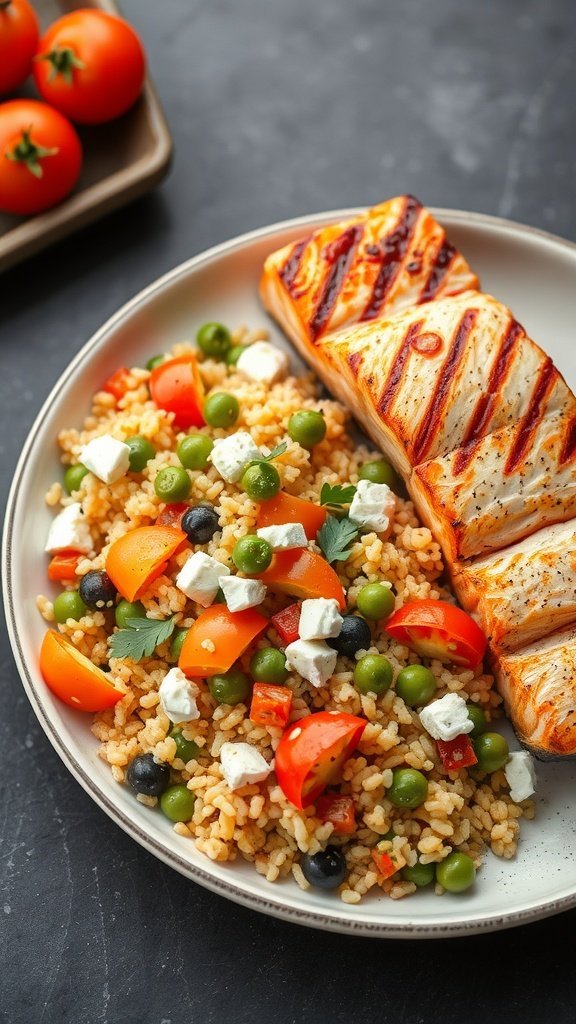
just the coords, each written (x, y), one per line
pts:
(122, 160)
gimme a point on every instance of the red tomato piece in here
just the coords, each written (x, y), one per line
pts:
(312, 752)
(287, 623)
(303, 573)
(171, 514)
(176, 386)
(385, 866)
(40, 157)
(271, 705)
(457, 753)
(18, 43)
(119, 383)
(436, 629)
(63, 565)
(339, 811)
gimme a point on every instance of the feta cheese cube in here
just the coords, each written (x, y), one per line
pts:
(241, 594)
(200, 577)
(178, 697)
(312, 659)
(520, 775)
(106, 457)
(69, 530)
(319, 618)
(447, 718)
(232, 454)
(243, 764)
(284, 537)
(372, 506)
(263, 362)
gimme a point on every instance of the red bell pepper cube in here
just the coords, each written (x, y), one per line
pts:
(287, 623)
(271, 705)
(339, 811)
(63, 566)
(387, 862)
(457, 753)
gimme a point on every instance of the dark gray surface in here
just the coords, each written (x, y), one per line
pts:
(278, 107)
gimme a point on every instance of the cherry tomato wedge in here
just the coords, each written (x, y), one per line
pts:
(119, 383)
(171, 514)
(73, 677)
(271, 705)
(339, 811)
(285, 508)
(312, 752)
(63, 565)
(436, 629)
(136, 559)
(176, 386)
(217, 639)
(303, 573)
(287, 623)
(457, 753)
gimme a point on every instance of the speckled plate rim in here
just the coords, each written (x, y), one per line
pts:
(338, 921)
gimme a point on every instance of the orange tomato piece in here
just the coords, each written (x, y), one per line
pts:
(176, 386)
(218, 638)
(118, 383)
(271, 705)
(72, 676)
(137, 558)
(303, 573)
(285, 508)
(63, 566)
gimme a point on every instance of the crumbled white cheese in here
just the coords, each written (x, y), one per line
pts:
(106, 457)
(284, 537)
(241, 594)
(263, 362)
(200, 577)
(178, 697)
(242, 764)
(520, 775)
(312, 659)
(69, 530)
(319, 618)
(372, 506)
(230, 455)
(447, 718)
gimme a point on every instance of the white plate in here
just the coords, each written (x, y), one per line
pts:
(535, 274)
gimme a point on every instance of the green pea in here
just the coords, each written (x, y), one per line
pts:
(420, 874)
(269, 666)
(177, 803)
(172, 484)
(73, 477)
(193, 451)
(456, 872)
(416, 685)
(260, 481)
(492, 751)
(307, 427)
(69, 605)
(177, 644)
(154, 362)
(128, 610)
(252, 554)
(141, 451)
(375, 601)
(214, 340)
(380, 472)
(409, 788)
(230, 688)
(233, 354)
(186, 750)
(373, 674)
(221, 409)
(477, 715)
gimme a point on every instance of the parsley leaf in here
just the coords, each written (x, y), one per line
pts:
(141, 638)
(278, 450)
(335, 537)
(336, 495)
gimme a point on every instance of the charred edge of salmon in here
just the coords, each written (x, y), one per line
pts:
(354, 361)
(541, 753)
(339, 253)
(397, 368)
(444, 257)
(437, 403)
(289, 270)
(529, 422)
(393, 248)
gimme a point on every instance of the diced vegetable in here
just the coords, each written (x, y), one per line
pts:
(118, 384)
(456, 754)
(137, 558)
(339, 811)
(218, 638)
(303, 573)
(271, 705)
(63, 566)
(287, 623)
(176, 386)
(312, 751)
(387, 860)
(171, 514)
(72, 676)
(436, 629)
(285, 508)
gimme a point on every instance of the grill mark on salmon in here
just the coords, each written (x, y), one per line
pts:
(569, 446)
(397, 369)
(289, 271)
(354, 360)
(530, 420)
(339, 253)
(438, 271)
(437, 403)
(393, 248)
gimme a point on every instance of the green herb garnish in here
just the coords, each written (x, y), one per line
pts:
(336, 495)
(278, 450)
(141, 638)
(335, 537)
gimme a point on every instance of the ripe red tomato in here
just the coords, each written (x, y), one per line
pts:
(91, 66)
(176, 386)
(40, 157)
(312, 752)
(436, 629)
(18, 42)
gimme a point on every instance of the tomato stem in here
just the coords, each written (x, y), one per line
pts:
(29, 153)
(63, 61)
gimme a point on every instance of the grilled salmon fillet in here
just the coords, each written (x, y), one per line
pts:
(524, 592)
(394, 256)
(538, 684)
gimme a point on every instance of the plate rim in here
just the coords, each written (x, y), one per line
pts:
(274, 906)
